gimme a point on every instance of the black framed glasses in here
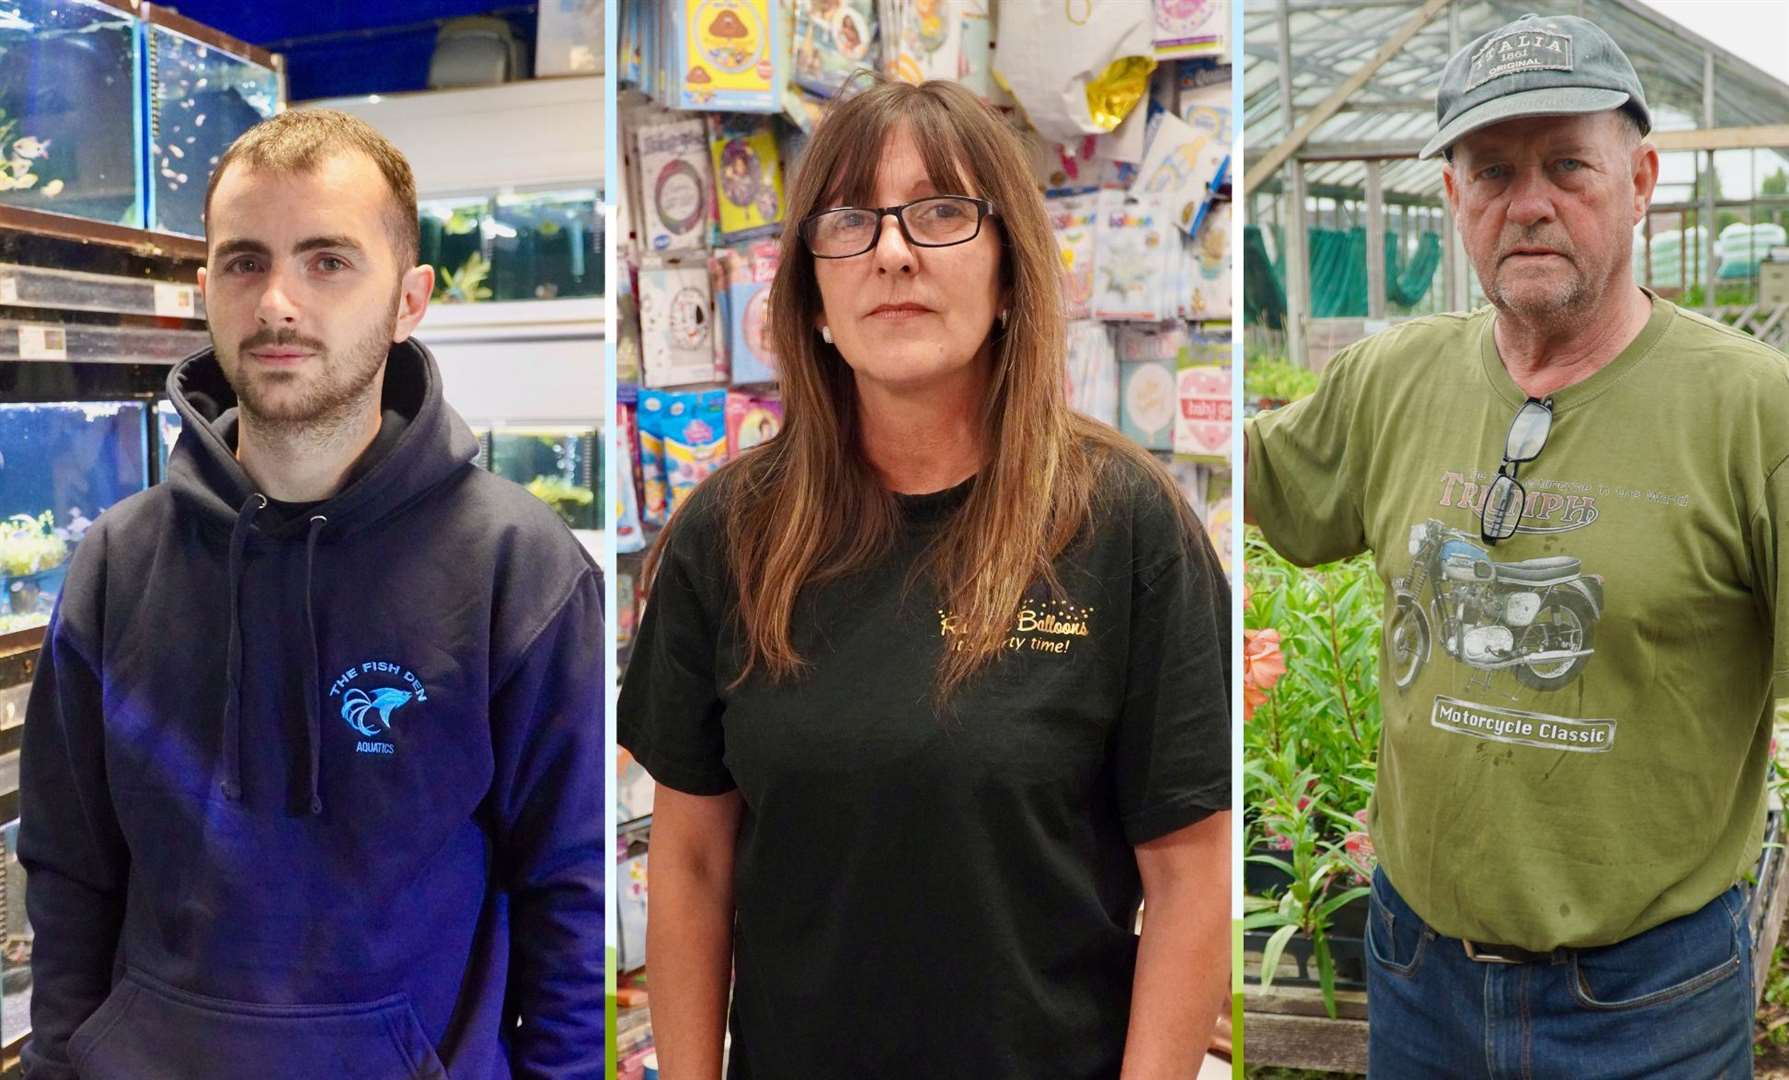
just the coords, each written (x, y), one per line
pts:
(1506, 497)
(938, 221)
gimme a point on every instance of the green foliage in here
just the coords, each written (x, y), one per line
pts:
(29, 545)
(1310, 746)
(1294, 804)
(1325, 709)
(466, 285)
(561, 494)
(1276, 379)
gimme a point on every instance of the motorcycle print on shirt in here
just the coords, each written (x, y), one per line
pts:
(1535, 618)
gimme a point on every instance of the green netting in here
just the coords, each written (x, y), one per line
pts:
(1338, 274)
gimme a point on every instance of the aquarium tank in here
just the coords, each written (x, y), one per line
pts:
(61, 465)
(69, 106)
(201, 99)
(558, 465)
(539, 246)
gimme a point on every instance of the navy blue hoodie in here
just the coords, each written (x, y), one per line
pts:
(319, 795)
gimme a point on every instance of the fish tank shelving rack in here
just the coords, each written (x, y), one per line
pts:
(74, 290)
(53, 342)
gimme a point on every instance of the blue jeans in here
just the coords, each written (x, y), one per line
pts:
(1673, 1003)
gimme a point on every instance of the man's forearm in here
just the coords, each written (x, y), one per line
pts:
(1181, 983)
(689, 950)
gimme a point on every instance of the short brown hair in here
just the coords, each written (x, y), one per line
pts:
(299, 140)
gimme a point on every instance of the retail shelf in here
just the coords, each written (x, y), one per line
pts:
(137, 241)
(85, 343)
(72, 290)
(514, 320)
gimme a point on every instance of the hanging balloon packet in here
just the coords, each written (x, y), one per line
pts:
(748, 176)
(832, 39)
(725, 55)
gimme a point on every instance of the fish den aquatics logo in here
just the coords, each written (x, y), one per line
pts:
(371, 709)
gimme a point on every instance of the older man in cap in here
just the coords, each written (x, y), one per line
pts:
(1576, 499)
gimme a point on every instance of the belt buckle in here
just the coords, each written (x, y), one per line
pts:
(1478, 957)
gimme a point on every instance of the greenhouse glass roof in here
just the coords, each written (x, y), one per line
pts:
(1389, 117)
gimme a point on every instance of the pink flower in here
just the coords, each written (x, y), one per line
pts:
(1262, 665)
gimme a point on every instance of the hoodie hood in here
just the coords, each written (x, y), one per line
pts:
(207, 480)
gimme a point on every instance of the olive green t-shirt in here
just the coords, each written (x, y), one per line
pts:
(1577, 718)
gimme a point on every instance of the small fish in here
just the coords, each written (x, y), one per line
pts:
(31, 147)
(386, 700)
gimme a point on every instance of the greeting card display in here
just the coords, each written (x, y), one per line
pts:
(1211, 266)
(1190, 27)
(921, 39)
(1075, 219)
(1092, 371)
(694, 425)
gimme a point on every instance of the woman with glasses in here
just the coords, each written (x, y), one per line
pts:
(934, 683)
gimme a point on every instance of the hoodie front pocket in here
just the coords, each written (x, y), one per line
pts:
(148, 1030)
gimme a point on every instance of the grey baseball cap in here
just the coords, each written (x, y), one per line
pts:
(1539, 65)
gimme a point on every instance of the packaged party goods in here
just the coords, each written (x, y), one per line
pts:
(627, 333)
(717, 288)
(676, 322)
(922, 39)
(1092, 370)
(976, 69)
(674, 183)
(752, 419)
(694, 425)
(654, 477)
(833, 38)
(1076, 68)
(1184, 161)
(1190, 28)
(626, 614)
(750, 270)
(748, 176)
(630, 536)
(1211, 266)
(725, 55)
(1075, 219)
(1134, 252)
(1202, 421)
(1148, 401)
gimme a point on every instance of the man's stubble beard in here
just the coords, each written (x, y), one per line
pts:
(1582, 293)
(332, 398)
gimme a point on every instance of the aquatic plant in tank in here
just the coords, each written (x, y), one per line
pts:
(558, 465)
(201, 99)
(539, 246)
(61, 465)
(69, 93)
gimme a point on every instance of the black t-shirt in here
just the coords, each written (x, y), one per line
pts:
(943, 895)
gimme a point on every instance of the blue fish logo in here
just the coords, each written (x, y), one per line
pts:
(358, 709)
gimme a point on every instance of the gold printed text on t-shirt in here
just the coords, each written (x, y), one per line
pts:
(1046, 626)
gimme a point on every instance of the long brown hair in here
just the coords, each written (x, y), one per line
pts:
(807, 506)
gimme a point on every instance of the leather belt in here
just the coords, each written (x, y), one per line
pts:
(1485, 953)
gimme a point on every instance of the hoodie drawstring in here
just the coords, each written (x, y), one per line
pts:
(312, 707)
(232, 784)
(245, 517)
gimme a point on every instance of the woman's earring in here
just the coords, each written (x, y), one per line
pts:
(826, 334)
(1003, 318)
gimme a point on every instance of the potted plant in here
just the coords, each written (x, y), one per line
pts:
(1311, 703)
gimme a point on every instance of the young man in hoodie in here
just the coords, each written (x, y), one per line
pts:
(312, 774)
